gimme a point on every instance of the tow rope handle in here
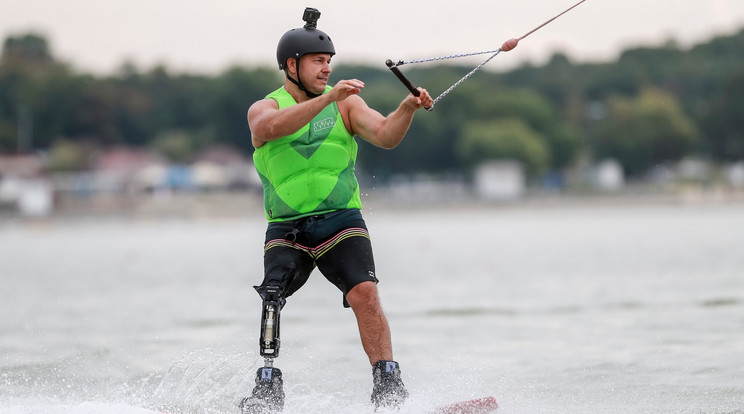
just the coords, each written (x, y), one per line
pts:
(505, 47)
(394, 68)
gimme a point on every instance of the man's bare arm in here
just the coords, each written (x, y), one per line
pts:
(267, 122)
(386, 132)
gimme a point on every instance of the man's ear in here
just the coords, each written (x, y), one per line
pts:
(292, 66)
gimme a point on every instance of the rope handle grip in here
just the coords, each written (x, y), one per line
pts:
(394, 68)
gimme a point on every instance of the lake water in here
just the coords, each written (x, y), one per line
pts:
(551, 309)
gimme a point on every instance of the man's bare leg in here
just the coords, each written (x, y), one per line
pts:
(373, 325)
(387, 387)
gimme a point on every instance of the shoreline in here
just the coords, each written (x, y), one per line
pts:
(236, 205)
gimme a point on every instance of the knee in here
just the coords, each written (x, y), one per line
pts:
(363, 295)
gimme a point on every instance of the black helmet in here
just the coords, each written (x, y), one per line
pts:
(303, 40)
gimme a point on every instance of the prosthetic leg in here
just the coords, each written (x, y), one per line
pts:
(268, 394)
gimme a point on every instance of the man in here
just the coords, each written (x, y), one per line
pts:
(303, 134)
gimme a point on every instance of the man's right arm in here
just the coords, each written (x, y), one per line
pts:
(267, 122)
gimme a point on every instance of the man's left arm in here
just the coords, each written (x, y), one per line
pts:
(386, 132)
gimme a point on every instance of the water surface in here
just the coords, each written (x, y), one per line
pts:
(550, 309)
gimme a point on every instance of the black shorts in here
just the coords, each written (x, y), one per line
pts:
(337, 243)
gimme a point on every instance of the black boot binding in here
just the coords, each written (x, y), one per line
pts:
(388, 389)
(267, 396)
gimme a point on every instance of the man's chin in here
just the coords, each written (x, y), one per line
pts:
(318, 91)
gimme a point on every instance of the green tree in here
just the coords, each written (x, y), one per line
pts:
(725, 122)
(644, 131)
(505, 138)
(560, 139)
(231, 94)
(30, 82)
(27, 48)
(65, 155)
(178, 146)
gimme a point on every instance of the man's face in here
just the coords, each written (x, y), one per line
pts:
(315, 70)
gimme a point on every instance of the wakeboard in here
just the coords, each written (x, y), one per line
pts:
(483, 405)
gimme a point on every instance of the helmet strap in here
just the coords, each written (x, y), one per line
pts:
(298, 82)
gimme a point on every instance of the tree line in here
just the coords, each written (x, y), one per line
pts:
(651, 106)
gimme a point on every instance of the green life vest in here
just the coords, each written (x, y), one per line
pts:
(311, 171)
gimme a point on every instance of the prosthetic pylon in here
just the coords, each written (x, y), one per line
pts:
(268, 395)
(269, 340)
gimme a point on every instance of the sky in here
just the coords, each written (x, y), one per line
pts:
(200, 36)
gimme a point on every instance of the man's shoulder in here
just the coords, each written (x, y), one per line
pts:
(280, 91)
(282, 97)
(273, 99)
(260, 105)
